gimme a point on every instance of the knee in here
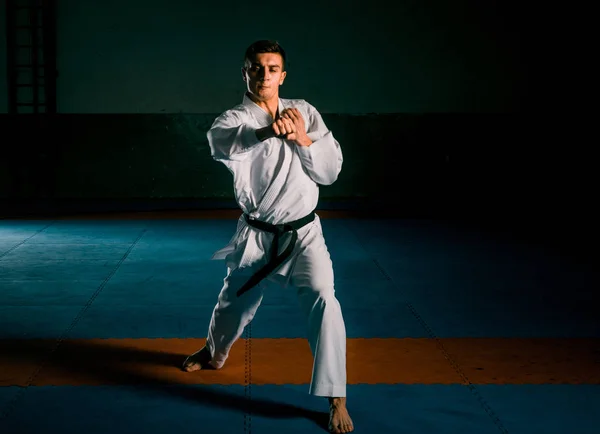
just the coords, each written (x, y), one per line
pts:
(228, 296)
(316, 293)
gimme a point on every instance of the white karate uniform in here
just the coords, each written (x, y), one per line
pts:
(276, 181)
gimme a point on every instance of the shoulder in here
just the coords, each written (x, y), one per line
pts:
(234, 114)
(299, 104)
(238, 110)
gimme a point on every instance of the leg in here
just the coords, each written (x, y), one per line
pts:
(230, 316)
(313, 277)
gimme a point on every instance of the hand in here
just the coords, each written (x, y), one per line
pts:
(283, 128)
(290, 126)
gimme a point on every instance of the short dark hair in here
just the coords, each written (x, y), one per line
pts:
(264, 46)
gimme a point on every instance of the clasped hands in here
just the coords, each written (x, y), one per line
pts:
(290, 125)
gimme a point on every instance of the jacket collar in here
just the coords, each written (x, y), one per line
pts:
(259, 112)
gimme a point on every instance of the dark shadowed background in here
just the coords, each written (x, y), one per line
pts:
(443, 109)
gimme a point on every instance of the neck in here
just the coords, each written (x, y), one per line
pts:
(270, 106)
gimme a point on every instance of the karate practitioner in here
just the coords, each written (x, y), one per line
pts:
(279, 151)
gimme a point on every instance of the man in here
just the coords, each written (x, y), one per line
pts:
(279, 151)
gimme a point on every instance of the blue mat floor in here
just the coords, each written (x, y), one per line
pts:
(132, 279)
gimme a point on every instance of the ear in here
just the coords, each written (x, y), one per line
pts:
(244, 74)
(283, 74)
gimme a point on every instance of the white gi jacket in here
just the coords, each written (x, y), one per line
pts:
(275, 181)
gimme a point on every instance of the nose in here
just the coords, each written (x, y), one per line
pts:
(264, 74)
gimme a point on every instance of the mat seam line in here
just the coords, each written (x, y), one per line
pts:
(248, 379)
(12, 403)
(486, 407)
(26, 239)
(453, 363)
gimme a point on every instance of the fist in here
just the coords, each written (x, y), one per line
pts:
(290, 126)
(283, 127)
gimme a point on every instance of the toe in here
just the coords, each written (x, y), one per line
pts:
(347, 427)
(191, 366)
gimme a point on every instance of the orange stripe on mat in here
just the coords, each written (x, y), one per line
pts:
(289, 361)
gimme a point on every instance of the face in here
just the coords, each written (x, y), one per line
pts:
(264, 75)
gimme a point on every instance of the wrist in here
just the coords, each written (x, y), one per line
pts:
(304, 141)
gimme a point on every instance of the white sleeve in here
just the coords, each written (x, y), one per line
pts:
(323, 159)
(230, 138)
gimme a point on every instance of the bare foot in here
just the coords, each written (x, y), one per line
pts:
(197, 361)
(339, 419)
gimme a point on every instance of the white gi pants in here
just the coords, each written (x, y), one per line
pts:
(312, 276)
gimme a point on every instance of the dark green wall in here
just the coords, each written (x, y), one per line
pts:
(184, 56)
(3, 58)
(432, 101)
(140, 82)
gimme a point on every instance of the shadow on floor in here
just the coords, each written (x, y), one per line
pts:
(110, 364)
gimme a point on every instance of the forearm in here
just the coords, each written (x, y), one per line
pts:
(322, 160)
(233, 142)
(304, 141)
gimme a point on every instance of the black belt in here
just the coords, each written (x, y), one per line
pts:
(275, 259)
